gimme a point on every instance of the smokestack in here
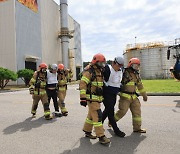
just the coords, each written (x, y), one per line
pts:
(64, 35)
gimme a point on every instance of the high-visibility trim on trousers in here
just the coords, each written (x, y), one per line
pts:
(95, 124)
(47, 113)
(95, 97)
(40, 93)
(89, 121)
(128, 96)
(138, 119)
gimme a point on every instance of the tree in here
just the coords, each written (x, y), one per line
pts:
(25, 75)
(5, 76)
(109, 62)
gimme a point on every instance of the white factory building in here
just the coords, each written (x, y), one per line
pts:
(36, 31)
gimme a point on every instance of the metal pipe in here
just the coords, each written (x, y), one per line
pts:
(64, 32)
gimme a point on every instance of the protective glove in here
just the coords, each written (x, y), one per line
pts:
(83, 102)
(145, 98)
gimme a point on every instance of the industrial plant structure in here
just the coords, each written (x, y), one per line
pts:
(38, 31)
(153, 57)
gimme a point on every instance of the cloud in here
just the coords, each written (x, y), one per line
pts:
(107, 26)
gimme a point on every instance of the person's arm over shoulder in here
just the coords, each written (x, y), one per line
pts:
(106, 73)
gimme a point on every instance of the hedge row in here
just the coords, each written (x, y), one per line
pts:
(7, 75)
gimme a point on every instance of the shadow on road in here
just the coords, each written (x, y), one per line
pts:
(177, 106)
(127, 145)
(178, 103)
(27, 125)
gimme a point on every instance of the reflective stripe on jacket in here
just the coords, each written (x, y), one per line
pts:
(131, 82)
(89, 84)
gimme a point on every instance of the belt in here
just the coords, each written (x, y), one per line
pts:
(50, 88)
(127, 92)
(62, 85)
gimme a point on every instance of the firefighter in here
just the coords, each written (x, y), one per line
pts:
(129, 97)
(51, 87)
(38, 92)
(91, 94)
(69, 75)
(112, 79)
(62, 87)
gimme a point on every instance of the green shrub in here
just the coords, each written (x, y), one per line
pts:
(5, 76)
(25, 75)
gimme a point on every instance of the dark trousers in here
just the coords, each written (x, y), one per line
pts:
(109, 103)
(53, 94)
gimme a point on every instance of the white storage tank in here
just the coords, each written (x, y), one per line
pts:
(154, 63)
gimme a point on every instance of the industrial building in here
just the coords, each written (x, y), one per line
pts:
(36, 31)
(153, 57)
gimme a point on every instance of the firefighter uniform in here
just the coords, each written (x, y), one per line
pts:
(129, 98)
(37, 89)
(69, 75)
(91, 94)
(94, 117)
(62, 88)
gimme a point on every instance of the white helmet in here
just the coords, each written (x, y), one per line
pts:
(54, 67)
(119, 60)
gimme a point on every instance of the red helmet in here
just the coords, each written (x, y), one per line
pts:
(98, 58)
(43, 65)
(60, 67)
(133, 61)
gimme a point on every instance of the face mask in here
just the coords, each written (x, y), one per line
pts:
(101, 64)
(136, 67)
(60, 71)
(43, 70)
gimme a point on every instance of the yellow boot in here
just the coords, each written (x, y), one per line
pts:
(104, 140)
(64, 111)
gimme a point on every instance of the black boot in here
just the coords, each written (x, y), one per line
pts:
(57, 114)
(120, 133)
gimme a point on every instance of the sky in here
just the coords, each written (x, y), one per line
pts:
(107, 26)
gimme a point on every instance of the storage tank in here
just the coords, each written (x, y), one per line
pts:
(154, 63)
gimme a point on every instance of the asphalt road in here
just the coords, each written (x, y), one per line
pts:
(20, 134)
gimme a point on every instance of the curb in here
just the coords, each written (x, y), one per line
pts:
(163, 94)
(12, 90)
